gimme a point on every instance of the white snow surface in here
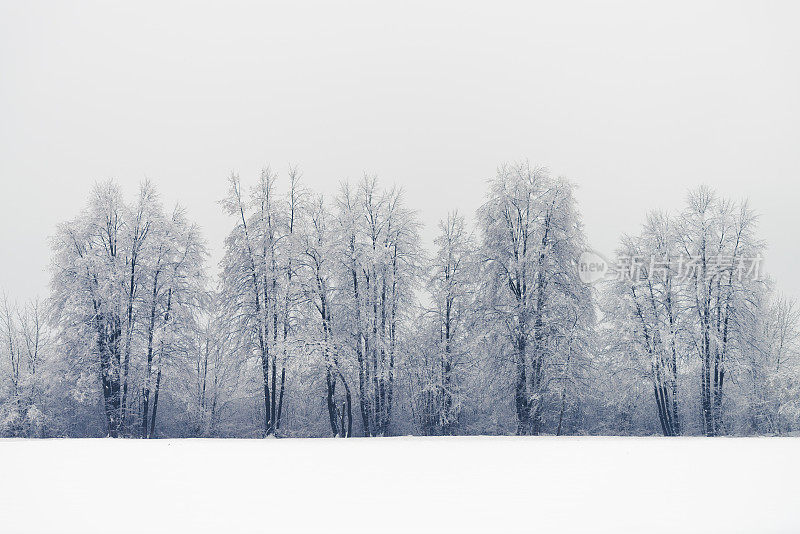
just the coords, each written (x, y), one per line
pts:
(465, 484)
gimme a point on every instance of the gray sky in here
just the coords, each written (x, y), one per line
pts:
(633, 102)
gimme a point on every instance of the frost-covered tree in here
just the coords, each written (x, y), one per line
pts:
(126, 283)
(259, 287)
(445, 347)
(767, 388)
(531, 236)
(688, 306)
(719, 236)
(379, 259)
(88, 292)
(649, 315)
(324, 334)
(23, 378)
(175, 296)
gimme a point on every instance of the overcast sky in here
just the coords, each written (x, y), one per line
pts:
(635, 103)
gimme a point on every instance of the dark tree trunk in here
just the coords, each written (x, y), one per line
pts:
(155, 404)
(521, 402)
(280, 399)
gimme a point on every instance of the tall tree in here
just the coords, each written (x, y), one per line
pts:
(380, 257)
(531, 236)
(318, 270)
(649, 315)
(113, 265)
(258, 284)
(718, 236)
(689, 299)
(440, 370)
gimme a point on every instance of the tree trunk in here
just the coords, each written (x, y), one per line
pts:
(155, 404)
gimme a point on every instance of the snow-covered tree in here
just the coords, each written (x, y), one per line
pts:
(688, 306)
(445, 347)
(379, 259)
(649, 315)
(126, 283)
(531, 237)
(23, 378)
(767, 388)
(259, 287)
(719, 236)
(324, 332)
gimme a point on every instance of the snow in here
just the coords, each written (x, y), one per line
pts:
(470, 484)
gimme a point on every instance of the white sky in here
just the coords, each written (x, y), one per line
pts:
(633, 102)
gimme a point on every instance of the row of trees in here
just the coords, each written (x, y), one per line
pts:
(328, 318)
(693, 328)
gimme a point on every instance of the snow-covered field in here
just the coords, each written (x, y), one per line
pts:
(481, 484)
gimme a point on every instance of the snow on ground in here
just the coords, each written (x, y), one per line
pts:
(480, 484)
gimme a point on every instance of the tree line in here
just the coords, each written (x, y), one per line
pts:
(327, 317)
